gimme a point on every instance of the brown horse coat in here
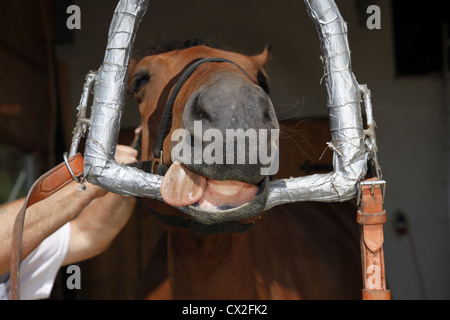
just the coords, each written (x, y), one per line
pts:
(299, 251)
(295, 251)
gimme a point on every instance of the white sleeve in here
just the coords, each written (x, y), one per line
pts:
(38, 271)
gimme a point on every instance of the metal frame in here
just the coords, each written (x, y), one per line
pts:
(352, 145)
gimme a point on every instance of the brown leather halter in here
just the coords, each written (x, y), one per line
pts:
(166, 119)
(45, 186)
(163, 131)
(371, 218)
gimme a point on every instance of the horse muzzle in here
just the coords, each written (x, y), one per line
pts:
(211, 201)
(246, 211)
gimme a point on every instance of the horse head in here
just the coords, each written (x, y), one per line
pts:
(209, 126)
(186, 81)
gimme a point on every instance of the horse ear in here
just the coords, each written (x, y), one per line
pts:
(264, 57)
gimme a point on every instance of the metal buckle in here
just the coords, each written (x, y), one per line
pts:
(372, 184)
(82, 186)
(69, 168)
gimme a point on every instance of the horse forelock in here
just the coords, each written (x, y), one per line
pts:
(172, 44)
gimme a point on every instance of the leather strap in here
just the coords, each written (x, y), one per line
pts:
(371, 217)
(45, 186)
(376, 294)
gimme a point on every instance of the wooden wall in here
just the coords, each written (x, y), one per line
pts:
(27, 114)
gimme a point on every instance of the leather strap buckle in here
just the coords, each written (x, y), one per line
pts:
(372, 184)
(371, 217)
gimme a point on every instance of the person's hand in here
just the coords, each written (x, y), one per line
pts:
(125, 154)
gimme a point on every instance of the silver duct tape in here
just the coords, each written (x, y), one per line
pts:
(109, 94)
(347, 134)
(344, 95)
(122, 179)
(82, 122)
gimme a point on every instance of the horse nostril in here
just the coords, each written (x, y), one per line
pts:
(265, 108)
(198, 110)
(267, 115)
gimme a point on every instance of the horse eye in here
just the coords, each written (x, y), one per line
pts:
(140, 79)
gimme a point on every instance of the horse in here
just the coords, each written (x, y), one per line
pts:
(303, 250)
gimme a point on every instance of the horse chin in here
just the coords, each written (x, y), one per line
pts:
(219, 214)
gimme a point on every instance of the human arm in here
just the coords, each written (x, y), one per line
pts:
(42, 218)
(45, 217)
(100, 222)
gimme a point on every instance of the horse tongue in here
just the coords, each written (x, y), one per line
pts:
(229, 193)
(181, 186)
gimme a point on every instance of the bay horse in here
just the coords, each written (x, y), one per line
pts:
(295, 251)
